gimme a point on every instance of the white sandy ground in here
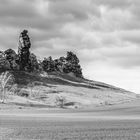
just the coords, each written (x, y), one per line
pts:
(81, 97)
(77, 93)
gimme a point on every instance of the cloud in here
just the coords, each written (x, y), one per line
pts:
(126, 57)
(114, 3)
(79, 9)
(16, 9)
(100, 32)
(124, 78)
(131, 36)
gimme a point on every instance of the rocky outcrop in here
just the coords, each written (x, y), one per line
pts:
(23, 51)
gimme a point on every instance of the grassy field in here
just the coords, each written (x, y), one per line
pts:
(16, 129)
(118, 122)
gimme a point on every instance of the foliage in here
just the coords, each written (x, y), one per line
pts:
(6, 80)
(34, 65)
(48, 64)
(4, 63)
(72, 65)
(26, 61)
(72, 58)
(12, 58)
(23, 51)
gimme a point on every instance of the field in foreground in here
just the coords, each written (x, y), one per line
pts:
(51, 130)
(118, 122)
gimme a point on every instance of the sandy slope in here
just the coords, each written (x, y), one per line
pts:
(76, 97)
(44, 90)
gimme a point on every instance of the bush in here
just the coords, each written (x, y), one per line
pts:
(23, 93)
(6, 83)
(60, 101)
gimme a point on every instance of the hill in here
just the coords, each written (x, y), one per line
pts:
(63, 90)
(52, 83)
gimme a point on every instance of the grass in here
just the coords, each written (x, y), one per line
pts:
(79, 91)
(24, 79)
(37, 129)
(120, 122)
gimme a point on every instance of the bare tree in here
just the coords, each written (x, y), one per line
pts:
(5, 78)
(31, 86)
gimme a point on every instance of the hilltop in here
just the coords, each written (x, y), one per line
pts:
(25, 60)
(63, 90)
(54, 83)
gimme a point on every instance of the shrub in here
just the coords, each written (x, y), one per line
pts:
(6, 83)
(60, 101)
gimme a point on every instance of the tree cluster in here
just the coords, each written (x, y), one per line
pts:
(68, 64)
(27, 61)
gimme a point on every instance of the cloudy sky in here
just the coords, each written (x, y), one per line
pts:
(105, 34)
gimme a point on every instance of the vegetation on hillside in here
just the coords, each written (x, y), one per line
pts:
(57, 83)
(28, 62)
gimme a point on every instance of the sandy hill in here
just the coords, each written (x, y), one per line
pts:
(53, 82)
(63, 90)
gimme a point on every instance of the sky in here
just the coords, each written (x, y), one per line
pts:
(105, 34)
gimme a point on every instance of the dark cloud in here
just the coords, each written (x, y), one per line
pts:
(15, 9)
(131, 36)
(79, 9)
(103, 33)
(37, 14)
(92, 27)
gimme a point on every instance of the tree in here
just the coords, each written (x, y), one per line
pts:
(24, 51)
(5, 79)
(48, 64)
(72, 58)
(12, 58)
(4, 63)
(72, 65)
(33, 62)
